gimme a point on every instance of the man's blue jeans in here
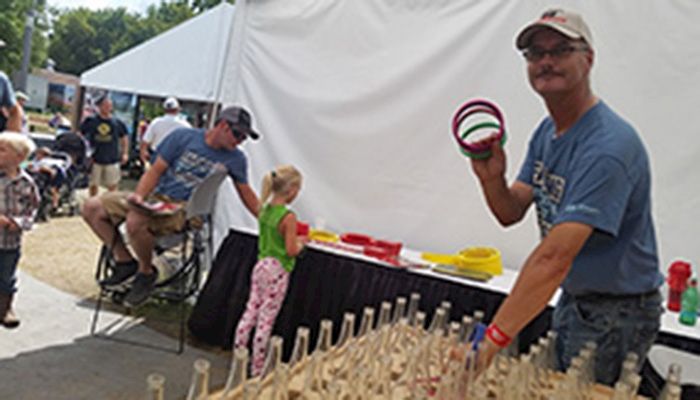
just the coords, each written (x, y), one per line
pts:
(617, 325)
(8, 268)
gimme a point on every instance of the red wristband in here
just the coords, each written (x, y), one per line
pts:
(497, 336)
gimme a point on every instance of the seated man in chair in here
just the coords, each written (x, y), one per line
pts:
(183, 160)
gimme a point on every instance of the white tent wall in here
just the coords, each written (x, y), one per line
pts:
(185, 61)
(360, 94)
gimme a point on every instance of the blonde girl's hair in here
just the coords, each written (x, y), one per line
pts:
(20, 143)
(279, 181)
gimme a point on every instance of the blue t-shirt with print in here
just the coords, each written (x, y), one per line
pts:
(190, 160)
(598, 174)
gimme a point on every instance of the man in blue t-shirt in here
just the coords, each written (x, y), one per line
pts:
(183, 160)
(588, 174)
(109, 142)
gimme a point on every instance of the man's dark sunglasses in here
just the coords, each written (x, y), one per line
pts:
(237, 133)
(534, 54)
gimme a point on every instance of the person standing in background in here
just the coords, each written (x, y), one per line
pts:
(22, 99)
(10, 110)
(109, 142)
(160, 128)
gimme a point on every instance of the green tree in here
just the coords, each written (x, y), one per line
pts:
(202, 5)
(12, 23)
(83, 38)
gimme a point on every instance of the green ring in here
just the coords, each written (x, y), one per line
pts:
(487, 124)
(486, 154)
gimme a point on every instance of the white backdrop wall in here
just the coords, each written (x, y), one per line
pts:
(359, 94)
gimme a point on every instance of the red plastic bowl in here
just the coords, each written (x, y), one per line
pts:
(376, 251)
(302, 228)
(356, 238)
(392, 248)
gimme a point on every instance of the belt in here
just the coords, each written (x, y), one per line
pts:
(615, 296)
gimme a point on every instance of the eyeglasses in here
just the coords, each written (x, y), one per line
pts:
(237, 133)
(534, 54)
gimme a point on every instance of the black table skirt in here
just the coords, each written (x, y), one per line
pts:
(325, 285)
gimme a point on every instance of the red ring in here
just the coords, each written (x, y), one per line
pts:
(458, 118)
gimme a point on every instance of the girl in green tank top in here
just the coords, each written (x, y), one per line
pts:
(278, 246)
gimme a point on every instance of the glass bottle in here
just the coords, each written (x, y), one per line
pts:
(156, 386)
(273, 358)
(367, 321)
(384, 314)
(673, 393)
(622, 391)
(325, 336)
(399, 310)
(447, 306)
(420, 320)
(438, 321)
(478, 316)
(347, 329)
(301, 346)
(251, 389)
(199, 387)
(239, 371)
(413, 305)
(280, 390)
(673, 379)
(466, 328)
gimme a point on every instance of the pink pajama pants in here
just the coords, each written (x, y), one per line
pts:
(268, 287)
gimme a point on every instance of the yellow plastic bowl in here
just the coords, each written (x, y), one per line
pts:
(437, 258)
(323, 236)
(484, 259)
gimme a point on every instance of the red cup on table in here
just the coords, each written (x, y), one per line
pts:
(392, 248)
(356, 239)
(302, 228)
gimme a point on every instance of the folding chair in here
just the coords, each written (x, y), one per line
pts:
(183, 253)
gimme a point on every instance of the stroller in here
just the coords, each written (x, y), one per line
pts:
(68, 157)
(50, 171)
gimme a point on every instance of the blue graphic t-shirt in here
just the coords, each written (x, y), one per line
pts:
(190, 160)
(597, 174)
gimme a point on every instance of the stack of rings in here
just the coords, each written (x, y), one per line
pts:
(470, 108)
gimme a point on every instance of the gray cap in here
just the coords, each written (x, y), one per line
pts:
(568, 23)
(100, 97)
(240, 117)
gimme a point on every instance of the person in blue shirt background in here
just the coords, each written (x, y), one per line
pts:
(588, 174)
(10, 111)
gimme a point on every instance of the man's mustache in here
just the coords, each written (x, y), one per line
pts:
(547, 72)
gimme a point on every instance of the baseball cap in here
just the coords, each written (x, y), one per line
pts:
(21, 95)
(240, 117)
(100, 97)
(171, 103)
(2, 43)
(568, 23)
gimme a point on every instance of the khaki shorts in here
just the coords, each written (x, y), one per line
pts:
(117, 207)
(105, 175)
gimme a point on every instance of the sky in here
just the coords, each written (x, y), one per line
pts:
(131, 5)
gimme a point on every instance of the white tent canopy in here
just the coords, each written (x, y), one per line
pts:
(359, 95)
(185, 61)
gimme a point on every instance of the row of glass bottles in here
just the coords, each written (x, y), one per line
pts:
(395, 357)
